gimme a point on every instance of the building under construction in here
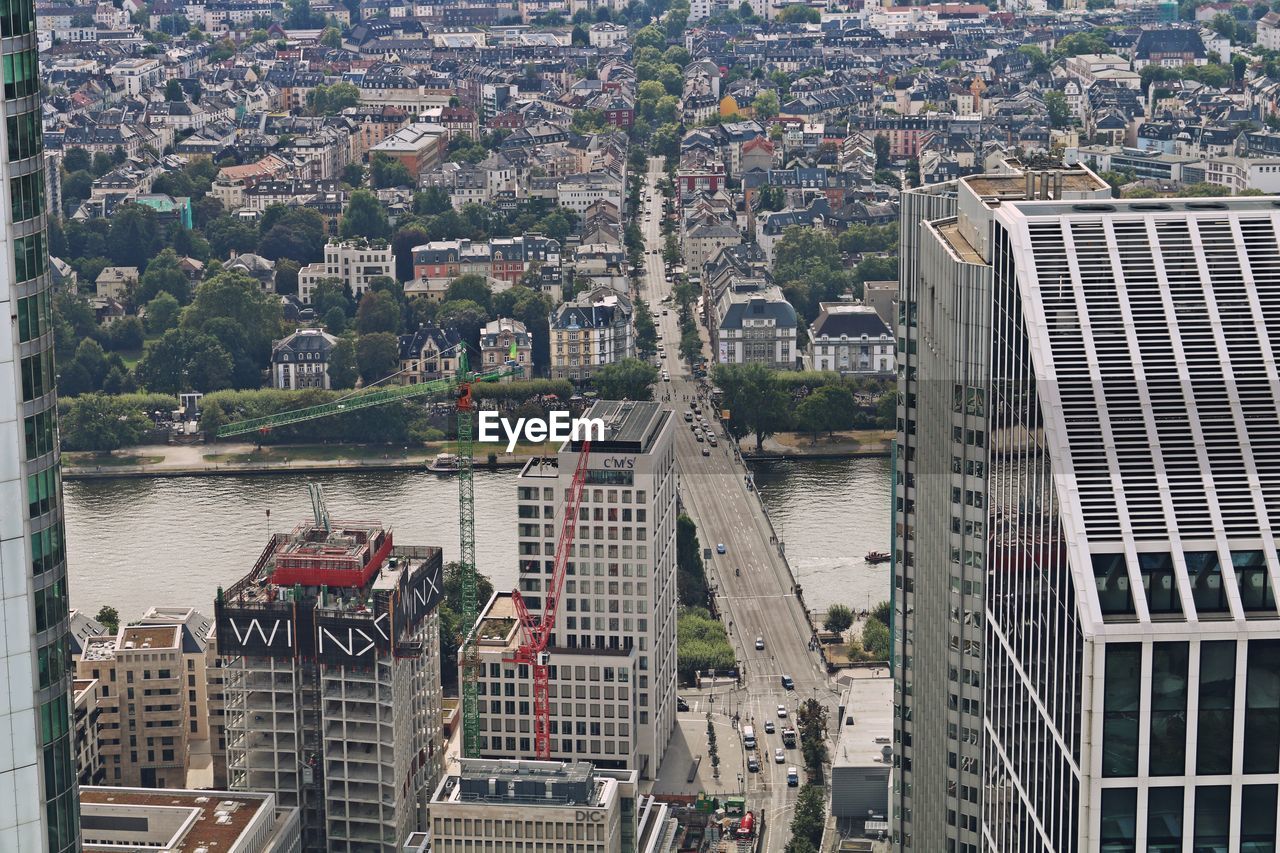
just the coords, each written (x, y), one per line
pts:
(330, 647)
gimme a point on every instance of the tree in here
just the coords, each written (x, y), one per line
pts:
(77, 160)
(1039, 62)
(109, 618)
(811, 720)
(232, 307)
(838, 619)
(755, 399)
(470, 287)
(824, 410)
(650, 36)
(162, 313)
(387, 171)
(296, 233)
(691, 573)
(881, 145)
(431, 201)
(134, 237)
(646, 330)
(808, 820)
(164, 275)
(185, 360)
(94, 422)
(799, 14)
(173, 92)
(343, 368)
(287, 276)
(331, 37)
(876, 639)
(353, 174)
(378, 312)
(1059, 112)
(125, 334)
(364, 217)
(628, 379)
(1076, 44)
(231, 235)
(377, 356)
(765, 106)
(464, 317)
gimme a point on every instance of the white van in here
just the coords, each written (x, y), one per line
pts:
(748, 737)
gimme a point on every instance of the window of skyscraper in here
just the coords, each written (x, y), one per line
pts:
(1206, 583)
(1216, 713)
(1164, 820)
(1262, 707)
(1160, 584)
(1168, 708)
(1119, 818)
(1213, 819)
(1254, 584)
(1120, 700)
(1258, 819)
(1112, 579)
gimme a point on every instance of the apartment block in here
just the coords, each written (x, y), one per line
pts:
(331, 681)
(613, 663)
(355, 263)
(152, 697)
(116, 819)
(1086, 630)
(589, 332)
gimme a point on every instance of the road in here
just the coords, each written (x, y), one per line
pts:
(753, 586)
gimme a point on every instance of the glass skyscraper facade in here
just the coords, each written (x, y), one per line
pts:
(38, 795)
(1088, 490)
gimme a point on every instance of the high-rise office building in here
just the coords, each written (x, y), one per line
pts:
(1086, 630)
(330, 651)
(38, 808)
(613, 651)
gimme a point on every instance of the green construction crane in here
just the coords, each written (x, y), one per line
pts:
(460, 386)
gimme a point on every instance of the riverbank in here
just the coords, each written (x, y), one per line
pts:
(847, 444)
(238, 459)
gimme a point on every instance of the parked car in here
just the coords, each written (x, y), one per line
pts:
(753, 764)
(681, 705)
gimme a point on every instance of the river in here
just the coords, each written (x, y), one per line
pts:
(134, 543)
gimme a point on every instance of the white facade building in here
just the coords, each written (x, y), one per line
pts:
(173, 819)
(355, 262)
(755, 326)
(613, 651)
(851, 338)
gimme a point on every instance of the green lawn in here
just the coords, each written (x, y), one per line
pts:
(90, 460)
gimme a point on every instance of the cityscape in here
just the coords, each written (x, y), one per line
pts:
(662, 426)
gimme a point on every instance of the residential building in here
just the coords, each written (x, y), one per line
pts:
(612, 653)
(503, 260)
(428, 353)
(419, 146)
(152, 697)
(176, 819)
(85, 722)
(39, 805)
(356, 263)
(883, 297)
(589, 332)
(116, 283)
(302, 360)
(851, 338)
(331, 666)
(498, 338)
(601, 811)
(755, 325)
(1083, 667)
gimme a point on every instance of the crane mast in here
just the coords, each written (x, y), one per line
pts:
(470, 667)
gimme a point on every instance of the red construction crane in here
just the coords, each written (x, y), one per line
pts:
(536, 632)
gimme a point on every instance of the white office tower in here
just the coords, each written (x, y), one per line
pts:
(331, 665)
(1088, 475)
(38, 794)
(535, 806)
(613, 650)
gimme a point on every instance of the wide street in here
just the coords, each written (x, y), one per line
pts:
(753, 587)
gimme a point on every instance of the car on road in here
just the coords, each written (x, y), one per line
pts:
(706, 451)
(779, 756)
(711, 439)
(719, 547)
(665, 312)
(793, 777)
(787, 683)
(688, 416)
(681, 705)
(753, 764)
(782, 711)
(768, 727)
(759, 644)
(697, 433)
(666, 377)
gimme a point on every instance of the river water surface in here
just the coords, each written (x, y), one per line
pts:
(134, 543)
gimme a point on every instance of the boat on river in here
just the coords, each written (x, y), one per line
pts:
(874, 557)
(444, 463)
